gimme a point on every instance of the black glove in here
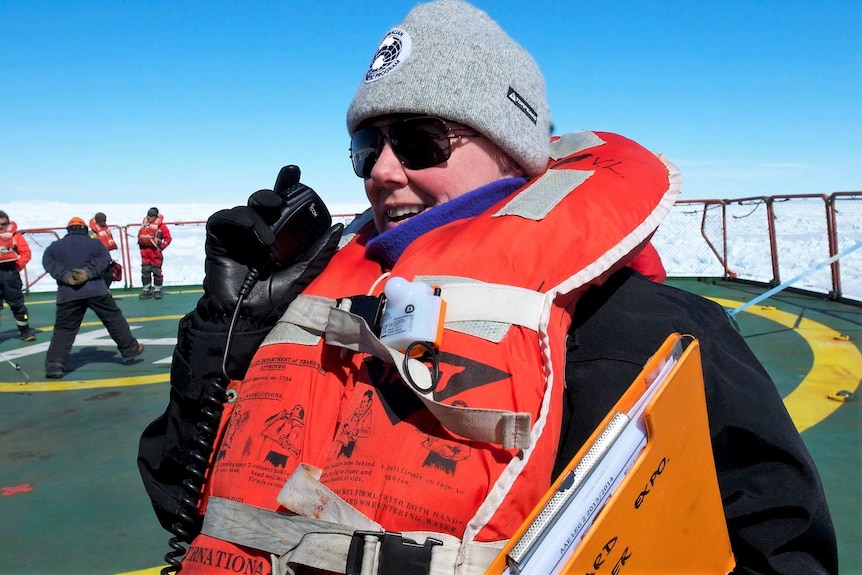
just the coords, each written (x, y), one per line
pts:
(239, 239)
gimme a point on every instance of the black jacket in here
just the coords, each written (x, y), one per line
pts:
(77, 250)
(773, 499)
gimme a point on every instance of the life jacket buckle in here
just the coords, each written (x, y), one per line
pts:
(396, 554)
(369, 308)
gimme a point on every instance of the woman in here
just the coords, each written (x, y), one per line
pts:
(472, 203)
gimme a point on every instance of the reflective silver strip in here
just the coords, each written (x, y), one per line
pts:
(574, 142)
(547, 191)
(544, 194)
(353, 228)
(284, 332)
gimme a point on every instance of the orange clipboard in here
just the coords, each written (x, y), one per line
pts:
(665, 515)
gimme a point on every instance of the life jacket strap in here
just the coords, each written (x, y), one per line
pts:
(475, 307)
(310, 317)
(467, 302)
(509, 429)
(294, 540)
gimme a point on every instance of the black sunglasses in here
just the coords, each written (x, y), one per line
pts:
(418, 143)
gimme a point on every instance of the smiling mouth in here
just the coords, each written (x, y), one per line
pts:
(401, 213)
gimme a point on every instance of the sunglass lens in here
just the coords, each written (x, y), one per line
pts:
(364, 150)
(420, 142)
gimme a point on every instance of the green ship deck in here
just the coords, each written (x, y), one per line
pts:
(72, 502)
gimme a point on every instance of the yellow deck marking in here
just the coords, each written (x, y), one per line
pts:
(147, 318)
(53, 300)
(50, 328)
(837, 365)
(72, 385)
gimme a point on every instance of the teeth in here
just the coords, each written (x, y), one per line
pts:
(403, 211)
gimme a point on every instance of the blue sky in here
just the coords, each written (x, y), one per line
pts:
(185, 101)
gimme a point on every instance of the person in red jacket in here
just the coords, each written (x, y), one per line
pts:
(14, 255)
(153, 238)
(100, 230)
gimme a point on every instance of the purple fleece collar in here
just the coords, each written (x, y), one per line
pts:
(388, 246)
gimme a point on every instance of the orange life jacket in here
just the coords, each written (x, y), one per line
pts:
(648, 262)
(369, 438)
(11, 250)
(103, 234)
(148, 234)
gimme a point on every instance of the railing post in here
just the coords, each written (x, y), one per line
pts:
(721, 257)
(773, 246)
(832, 238)
(126, 257)
(26, 281)
(727, 273)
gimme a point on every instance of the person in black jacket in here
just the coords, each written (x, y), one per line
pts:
(774, 504)
(776, 511)
(78, 263)
(424, 169)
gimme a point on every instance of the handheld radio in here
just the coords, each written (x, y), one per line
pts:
(304, 218)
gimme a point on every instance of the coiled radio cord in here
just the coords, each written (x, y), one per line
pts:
(207, 429)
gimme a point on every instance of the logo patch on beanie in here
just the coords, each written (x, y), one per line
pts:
(528, 110)
(393, 51)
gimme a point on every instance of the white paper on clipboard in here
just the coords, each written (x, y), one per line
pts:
(553, 537)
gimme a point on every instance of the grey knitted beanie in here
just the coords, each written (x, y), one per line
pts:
(451, 60)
